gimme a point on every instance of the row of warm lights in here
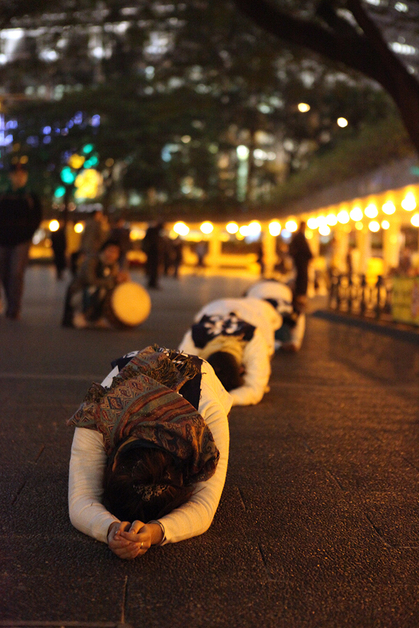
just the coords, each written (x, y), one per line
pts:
(252, 229)
(323, 223)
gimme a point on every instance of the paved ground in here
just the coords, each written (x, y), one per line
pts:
(319, 522)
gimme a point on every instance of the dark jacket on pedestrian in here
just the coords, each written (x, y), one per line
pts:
(20, 216)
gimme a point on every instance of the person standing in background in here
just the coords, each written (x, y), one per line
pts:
(152, 246)
(20, 216)
(301, 254)
(59, 246)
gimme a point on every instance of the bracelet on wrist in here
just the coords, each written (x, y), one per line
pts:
(159, 523)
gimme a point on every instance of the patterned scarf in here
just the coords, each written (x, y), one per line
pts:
(143, 405)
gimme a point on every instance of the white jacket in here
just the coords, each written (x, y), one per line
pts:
(88, 461)
(257, 352)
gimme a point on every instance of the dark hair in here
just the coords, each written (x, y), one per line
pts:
(145, 484)
(110, 243)
(226, 369)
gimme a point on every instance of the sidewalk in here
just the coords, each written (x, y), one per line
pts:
(318, 525)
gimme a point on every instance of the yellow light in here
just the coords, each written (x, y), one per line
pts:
(324, 230)
(76, 161)
(24, 159)
(136, 234)
(356, 213)
(88, 184)
(385, 224)
(207, 227)
(181, 229)
(244, 230)
(389, 208)
(232, 227)
(309, 234)
(186, 139)
(79, 227)
(342, 122)
(274, 228)
(359, 226)
(254, 228)
(371, 211)
(54, 225)
(291, 226)
(109, 162)
(415, 220)
(312, 223)
(409, 202)
(374, 226)
(343, 217)
(303, 107)
(331, 220)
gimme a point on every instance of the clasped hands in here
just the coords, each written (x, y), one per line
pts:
(129, 540)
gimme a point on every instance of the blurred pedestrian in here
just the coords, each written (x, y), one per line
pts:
(88, 295)
(301, 255)
(20, 216)
(201, 250)
(141, 477)
(94, 234)
(236, 336)
(59, 247)
(178, 256)
(152, 246)
(120, 232)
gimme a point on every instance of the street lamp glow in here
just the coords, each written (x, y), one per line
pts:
(343, 217)
(409, 202)
(244, 230)
(207, 227)
(242, 152)
(389, 208)
(342, 122)
(312, 223)
(374, 226)
(359, 226)
(181, 229)
(291, 226)
(415, 220)
(274, 228)
(356, 214)
(385, 224)
(371, 211)
(79, 227)
(303, 107)
(324, 229)
(232, 228)
(54, 225)
(331, 220)
(186, 139)
(254, 228)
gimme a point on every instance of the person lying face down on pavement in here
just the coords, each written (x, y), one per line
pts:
(289, 336)
(150, 451)
(236, 336)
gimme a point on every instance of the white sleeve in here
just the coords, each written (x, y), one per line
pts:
(196, 515)
(257, 366)
(85, 487)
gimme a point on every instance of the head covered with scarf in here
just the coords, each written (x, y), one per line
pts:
(142, 416)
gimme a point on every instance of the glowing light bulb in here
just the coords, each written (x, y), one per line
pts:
(207, 227)
(415, 220)
(232, 227)
(181, 229)
(331, 220)
(409, 202)
(54, 225)
(374, 226)
(274, 228)
(385, 224)
(343, 217)
(389, 208)
(312, 223)
(356, 214)
(371, 211)
(291, 226)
